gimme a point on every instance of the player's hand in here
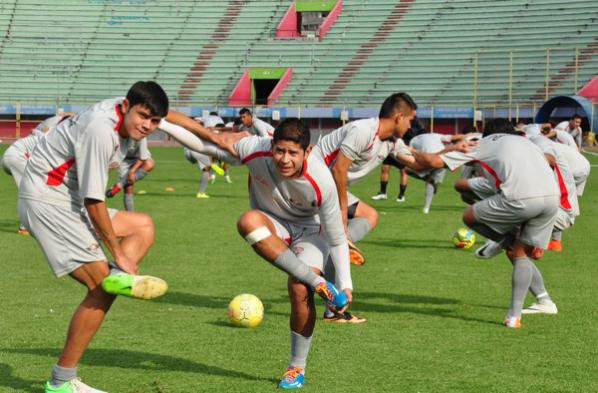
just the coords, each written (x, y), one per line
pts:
(464, 146)
(131, 178)
(227, 140)
(349, 294)
(126, 264)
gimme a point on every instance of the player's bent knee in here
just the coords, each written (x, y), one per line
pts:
(257, 235)
(148, 166)
(248, 222)
(468, 217)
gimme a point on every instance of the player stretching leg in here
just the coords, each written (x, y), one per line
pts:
(294, 224)
(61, 202)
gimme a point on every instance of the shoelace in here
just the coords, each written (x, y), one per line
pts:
(292, 373)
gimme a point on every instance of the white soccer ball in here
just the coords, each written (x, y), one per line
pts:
(246, 310)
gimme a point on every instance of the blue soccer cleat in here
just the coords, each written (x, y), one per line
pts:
(328, 292)
(293, 378)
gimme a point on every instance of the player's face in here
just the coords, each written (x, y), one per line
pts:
(138, 121)
(575, 123)
(247, 119)
(403, 123)
(288, 157)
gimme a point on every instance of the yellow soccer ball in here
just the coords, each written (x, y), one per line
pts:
(246, 310)
(464, 238)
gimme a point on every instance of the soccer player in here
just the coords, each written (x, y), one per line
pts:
(204, 163)
(580, 166)
(253, 125)
(294, 223)
(522, 212)
(573, 127)
(136, 165)
(16, 156)
(61, 202)
(354, 150)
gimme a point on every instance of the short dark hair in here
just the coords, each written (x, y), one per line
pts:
(396, 102)
(150, 95)
(244, 110)
(213, 113)
(237, 121)
(498, 126)
(294, 130)
(575, 116)
(468, 129)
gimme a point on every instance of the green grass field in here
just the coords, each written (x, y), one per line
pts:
(434, 311)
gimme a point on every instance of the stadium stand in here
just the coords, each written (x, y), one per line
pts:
(456, 52)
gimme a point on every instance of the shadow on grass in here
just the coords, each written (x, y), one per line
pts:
(7, 379)
(398, 207)
(410, 243)
(127, 359)
(9, 226)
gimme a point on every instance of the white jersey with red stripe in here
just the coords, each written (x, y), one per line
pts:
(562, 173)
(359, 142)
(310, 199)
(430, 142)
(565, 138)
(512, 164)
(575, 133)
(71, 163)
(580, 166)
(26, 145)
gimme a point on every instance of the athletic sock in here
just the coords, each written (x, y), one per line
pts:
(487, 232)
(358, 228)
(556, 235)
(60, 375)
(299, 349)
(129, 204)
(203, 182)
(402, 189)
(428, 196)
(521, 280)
(383, 185)
(288, 262)
(537, 287)
(140, 174)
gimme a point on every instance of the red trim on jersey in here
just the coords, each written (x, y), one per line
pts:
(119, 115)
(565, 204)
(486, 167)
(374, 138)
(257, 154)
(56, 175)
(27, 155)
(331, 157)
(313, 183)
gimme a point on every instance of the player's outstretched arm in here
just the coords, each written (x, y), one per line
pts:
(428, 160)
(98, 214)
(339, 173)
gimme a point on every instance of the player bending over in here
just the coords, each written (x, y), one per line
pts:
(294, 224)
(61, 202)
(520, 215)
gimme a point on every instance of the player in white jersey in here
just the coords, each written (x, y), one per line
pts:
(135, 166)
(431, 143)
(61, 202)
(253, 125)
(573, 128)
(16, 156)
(295, 223)
(580, 166)
(521, 214)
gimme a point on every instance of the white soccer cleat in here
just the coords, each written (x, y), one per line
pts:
(488, 250)
(426, 210)
(401, 199)
(379, 197)
(541, 308)
(72, 386)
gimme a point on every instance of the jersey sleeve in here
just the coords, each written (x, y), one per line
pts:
(144, 153)
(455, 159)
(251, 145)
(446, 138)
(355, 142)
(263, 128)
(92, 156)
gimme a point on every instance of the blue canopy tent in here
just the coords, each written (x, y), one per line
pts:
(566, 106)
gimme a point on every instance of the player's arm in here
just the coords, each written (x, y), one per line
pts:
(340, 172)
(428, 160)
(131, 174)
(98, 214)
(223, 140)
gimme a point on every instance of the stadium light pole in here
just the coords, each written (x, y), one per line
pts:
(576, 68)
(547, 78)
(510, 82)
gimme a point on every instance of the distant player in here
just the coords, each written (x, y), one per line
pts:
(431, 143)
(16, 156)
(294, 224)
(61, 202)
(522, 212)
(204, 164)
(253, 125)
(136, 165)
(573, 127)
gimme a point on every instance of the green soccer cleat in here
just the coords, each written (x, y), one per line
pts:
(72, 386)
(216, 168)
(139, 287)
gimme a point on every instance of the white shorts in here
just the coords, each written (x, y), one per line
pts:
(580, 184)
(305, 241)
(352, 199)
(535, 215)
(66, 235)
(481, 188)
(436, 175)
(194, 157)
(14, 163)
(564, 220)
(125, 166)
